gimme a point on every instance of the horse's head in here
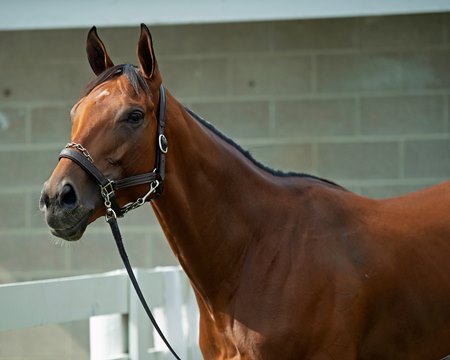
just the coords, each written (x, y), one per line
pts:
(115, 121)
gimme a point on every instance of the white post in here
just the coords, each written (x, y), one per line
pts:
(108, 337)
(140, 337)
(173, 311)
(192, 330)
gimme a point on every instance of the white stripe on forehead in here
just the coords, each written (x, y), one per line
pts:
(102, 94)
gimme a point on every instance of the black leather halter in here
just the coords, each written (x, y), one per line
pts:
(107, 190)
(108, 186)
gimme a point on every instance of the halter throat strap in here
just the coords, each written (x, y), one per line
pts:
(78, 154)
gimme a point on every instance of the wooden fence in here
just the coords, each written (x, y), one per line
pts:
(119, 327)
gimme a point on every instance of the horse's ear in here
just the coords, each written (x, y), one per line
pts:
(96, 53)
(145, 52)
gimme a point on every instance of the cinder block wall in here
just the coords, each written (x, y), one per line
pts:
(361, 101)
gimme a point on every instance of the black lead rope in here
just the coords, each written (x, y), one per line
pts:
(112, 221)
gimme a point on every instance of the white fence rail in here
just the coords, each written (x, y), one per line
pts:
(119, 327)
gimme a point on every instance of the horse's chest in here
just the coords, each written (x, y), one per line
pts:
(240, 342)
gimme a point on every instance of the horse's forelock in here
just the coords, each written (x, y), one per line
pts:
(131, 72)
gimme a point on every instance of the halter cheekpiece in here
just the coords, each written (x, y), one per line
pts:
(80, 155)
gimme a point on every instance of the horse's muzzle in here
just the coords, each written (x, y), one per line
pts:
(64, 214)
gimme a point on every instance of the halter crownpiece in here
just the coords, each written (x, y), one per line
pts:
(80, 155)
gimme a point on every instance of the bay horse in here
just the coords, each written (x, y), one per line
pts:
(283, 265)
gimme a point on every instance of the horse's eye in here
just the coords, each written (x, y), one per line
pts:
(135, 117)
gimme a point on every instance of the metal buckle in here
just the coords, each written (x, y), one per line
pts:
(107, 190)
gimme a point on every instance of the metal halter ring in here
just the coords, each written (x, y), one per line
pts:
(162, 142)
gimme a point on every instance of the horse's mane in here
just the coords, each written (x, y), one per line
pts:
(249, 156)
(138, 81)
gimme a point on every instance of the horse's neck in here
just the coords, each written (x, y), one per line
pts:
(206, 205)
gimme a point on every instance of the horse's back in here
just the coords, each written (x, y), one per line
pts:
(386, 265)
(338, 275)
(408, 290)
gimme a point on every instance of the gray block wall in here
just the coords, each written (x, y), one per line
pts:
(361, 101)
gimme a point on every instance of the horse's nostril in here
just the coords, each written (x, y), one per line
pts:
(44, 201)
(68, 196)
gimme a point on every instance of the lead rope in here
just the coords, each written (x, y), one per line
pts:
(112, 221)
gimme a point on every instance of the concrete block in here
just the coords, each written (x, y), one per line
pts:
(358, 160)
(12, 125)
(69, 341)
(8, 39)
(161, 253)
(12, 214)
(288, 157)
(401, 32)
(194, 39)
(239, 119)
(41, 82)
(426, 69)
(271, 75)
(447, 26)
(27, 168)
(427, 158)
(43, 46)
(314, 34)
(84, 255)
(187, 78)
(121, 43)
(211, 38)
(51, 124)
(29, 255)
(315, 117)
(398, 115)
(390, 191)
(358, 72)
(355, 188)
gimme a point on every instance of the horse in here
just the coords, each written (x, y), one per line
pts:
(283, 265)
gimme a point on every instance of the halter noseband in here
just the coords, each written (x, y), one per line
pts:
(108, 187)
